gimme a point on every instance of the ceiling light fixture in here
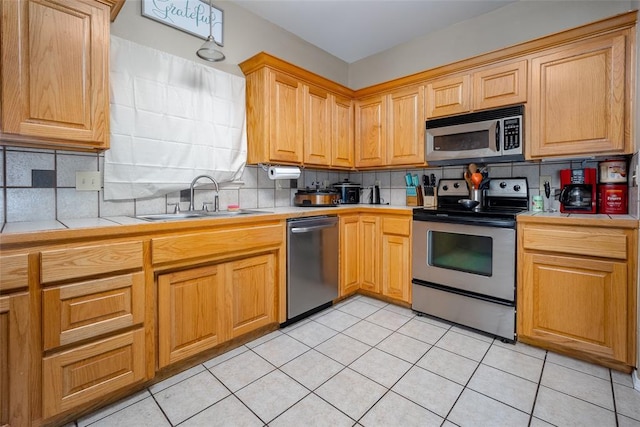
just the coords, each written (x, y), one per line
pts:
(209, 50)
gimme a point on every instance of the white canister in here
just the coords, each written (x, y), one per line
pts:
(613, 171)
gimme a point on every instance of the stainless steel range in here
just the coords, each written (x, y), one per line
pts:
(464, 260)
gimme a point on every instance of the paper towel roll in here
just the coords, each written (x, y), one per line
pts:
(284, 172)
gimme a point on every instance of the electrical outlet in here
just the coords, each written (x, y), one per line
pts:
(545, 178)
(88, 181)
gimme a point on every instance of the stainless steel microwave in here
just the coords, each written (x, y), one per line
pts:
(490, 136)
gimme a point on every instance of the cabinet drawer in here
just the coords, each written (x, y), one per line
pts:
(596, 242)
(400, 226)
(86, 373)
(14, 272)
(84, 310)
(71, 263)
(219, 242)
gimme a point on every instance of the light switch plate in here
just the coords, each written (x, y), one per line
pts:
(545, 178)
(88, 181)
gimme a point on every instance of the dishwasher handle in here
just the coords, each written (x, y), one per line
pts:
(297, 230)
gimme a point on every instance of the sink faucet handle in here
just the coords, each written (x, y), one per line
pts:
(177, 208)
(205, 206)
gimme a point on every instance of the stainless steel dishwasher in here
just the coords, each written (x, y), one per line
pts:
(312, 265)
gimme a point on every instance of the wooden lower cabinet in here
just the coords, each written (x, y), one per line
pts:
(189, 312)
(369, 265)
(15, 381)
(349, 254)
(581, 304)
(202, 307)
(83, 374)
(250, 289)
(396, 256)
(375, 254)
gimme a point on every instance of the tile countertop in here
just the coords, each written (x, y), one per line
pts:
(79, 223)
(21, 232)
(558, 218)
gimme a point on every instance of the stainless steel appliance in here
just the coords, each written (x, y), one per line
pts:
(464, 261)
(349, 192)
(310, 197)
(312, 265)
(491, 136)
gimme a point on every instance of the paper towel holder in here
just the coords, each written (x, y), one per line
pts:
(275, 172)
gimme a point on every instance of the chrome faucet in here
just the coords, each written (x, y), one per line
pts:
(216, 200)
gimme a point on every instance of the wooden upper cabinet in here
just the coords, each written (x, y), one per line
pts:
(448, 96)
(317, 126)
(296, 117)
(406, 127)
(371, 131)
(342, 141)
(390, 128)
(501, 85)
(55, 73)
(578, 100)
(489, 87)
(285, 118)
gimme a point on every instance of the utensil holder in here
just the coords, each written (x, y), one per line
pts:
(478, 195)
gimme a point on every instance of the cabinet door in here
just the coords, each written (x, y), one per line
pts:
(574, 302)
(371, 132)
(189, 312)
(250, 293)
(85, 374)
(285, 124)
(342, 141)
(349, 254)
(370, 253)
(578, 100)
(317, 126)
(14, 360)
(448, 96)
(55, 68)
(406, 127)
(396, 256)
(500, 86)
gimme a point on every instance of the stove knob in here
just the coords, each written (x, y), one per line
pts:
(503, 184)
(516, 188)
(456, 185)
(445, 187)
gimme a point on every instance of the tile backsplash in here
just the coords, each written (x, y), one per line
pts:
(39, 185)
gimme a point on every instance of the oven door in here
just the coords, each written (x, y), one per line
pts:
(472, 259)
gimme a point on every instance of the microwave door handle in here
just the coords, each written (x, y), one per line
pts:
(498, 150)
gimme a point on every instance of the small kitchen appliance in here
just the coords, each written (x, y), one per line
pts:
(349, 192)
(316, 197)
(464, 262)
(578, 194)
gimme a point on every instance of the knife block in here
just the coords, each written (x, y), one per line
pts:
(430, 200)
(412, 195)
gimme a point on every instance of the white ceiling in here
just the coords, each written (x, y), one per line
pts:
(354, 29)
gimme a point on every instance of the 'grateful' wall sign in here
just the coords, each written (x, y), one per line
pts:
(190, 16)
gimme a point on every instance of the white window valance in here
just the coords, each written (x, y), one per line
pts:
(171, 120)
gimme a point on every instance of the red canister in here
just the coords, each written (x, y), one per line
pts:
(612, 198)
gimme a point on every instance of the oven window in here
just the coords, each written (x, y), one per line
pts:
(462, 141)
(462, 252)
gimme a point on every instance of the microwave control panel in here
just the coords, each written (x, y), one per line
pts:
(511, 133)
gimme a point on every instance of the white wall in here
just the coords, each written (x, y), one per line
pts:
(245, 34)
(515, 23)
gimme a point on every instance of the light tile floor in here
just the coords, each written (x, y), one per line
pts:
(367, 363)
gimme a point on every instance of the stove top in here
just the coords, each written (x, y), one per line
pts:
(503, 199)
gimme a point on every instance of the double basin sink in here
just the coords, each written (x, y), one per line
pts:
(198, 214)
